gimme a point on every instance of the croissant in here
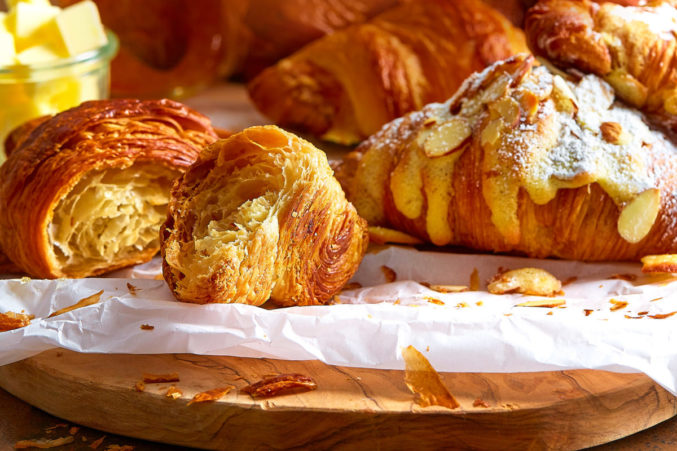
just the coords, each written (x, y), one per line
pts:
(346, 85)
(633, 48)
(86, 191)
(521, 160)
(260, 216)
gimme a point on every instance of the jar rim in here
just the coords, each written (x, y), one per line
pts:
(105, 52)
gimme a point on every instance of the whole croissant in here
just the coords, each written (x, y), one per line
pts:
(634, 48)
(260, 216)
(525, 161)
(85, 192)
(346, 85)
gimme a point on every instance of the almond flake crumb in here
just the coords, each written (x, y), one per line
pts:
(434, 301)
(43, 443)
(139, 386)
(617, 305)
(173, 393)
(96, 443)
(147, 327)
(389, 273)
(480, 403)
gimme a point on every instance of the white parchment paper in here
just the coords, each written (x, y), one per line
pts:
(470, 331)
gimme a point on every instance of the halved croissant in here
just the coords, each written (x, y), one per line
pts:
(522, 160)
(634, 48)
(260, 216)
(346, 85)
(86, 191)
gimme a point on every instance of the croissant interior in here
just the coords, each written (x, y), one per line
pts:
(85, 191)
(260, 216)
(110, 215)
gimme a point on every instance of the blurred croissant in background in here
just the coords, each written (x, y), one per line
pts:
(346, 85)
(522, 160)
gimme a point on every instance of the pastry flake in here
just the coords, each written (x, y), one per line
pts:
(278, 385)
(529, 281)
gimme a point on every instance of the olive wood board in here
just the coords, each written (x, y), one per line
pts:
(353, 408)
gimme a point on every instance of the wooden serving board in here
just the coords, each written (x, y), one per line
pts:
(352, 408)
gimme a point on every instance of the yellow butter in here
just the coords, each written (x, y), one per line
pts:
(37, 54)
(80, 28)
(26, 19)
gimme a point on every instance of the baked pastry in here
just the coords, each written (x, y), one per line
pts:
(521, 160)
(633, 48)
(260, 216)
(86, 191)
(346, 85)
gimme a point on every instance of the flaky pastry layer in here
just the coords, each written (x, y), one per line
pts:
(85, 192)
(260, 216)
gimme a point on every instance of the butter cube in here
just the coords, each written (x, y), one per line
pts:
(80, 27)
(37, 54)
(27, 18)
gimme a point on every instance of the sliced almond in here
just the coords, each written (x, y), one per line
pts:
(507, 109)
(530, 281)
(491, 133)
(545, 303)
(613, 133)
(664, 263)
(639, 215)
(447, 137)
(627, 87)
(564, 98)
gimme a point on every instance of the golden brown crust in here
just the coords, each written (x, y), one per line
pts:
(631, 47)
(20, 133)
(94, 137)
(534, 174)
(345, 86)
(260, 216)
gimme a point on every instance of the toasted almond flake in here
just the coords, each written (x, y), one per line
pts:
(96, 443)
(448, 288)
(73, 430)
(474, 280)
(633, 317)
(159, 378)
(479, 303)
(461, 305)
(280, 385)
(173, 393)
(662, 315)
(656, 299)
(389, 273)
(147, 327)
(643, 313)
(383, 235)
(587, 311)
(12, 320)
(659, 264)
(480, 403)
(424, 382)
(617, 305)
(43, 443)
(549, 313)
(529, 281)
(211, 395)
(434, 301)
(626, 277)
(397, 302)
(547, 303)
(352, 286)
(507, 314)
(132, 289)
(139, 386)
(89, 300)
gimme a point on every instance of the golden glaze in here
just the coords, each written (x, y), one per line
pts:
(631, 47)
(345, 86)
(98, 139)
(260, 216)
(536, 175)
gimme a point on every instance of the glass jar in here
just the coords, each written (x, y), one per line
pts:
(30, 91)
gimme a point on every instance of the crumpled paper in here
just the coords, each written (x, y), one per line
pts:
(472, 331)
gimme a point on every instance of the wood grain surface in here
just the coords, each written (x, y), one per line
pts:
(352, 408)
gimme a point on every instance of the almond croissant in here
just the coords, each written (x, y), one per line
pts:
(346, 85)
(258, 216)
(86, 191)
(522, 160)
(634, 48)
